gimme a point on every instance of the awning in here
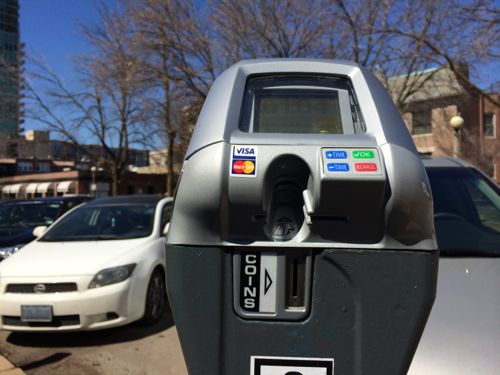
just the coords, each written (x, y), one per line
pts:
(65, 186)
(14, 189)
(6, 189)
(43, 187)
(31, 188)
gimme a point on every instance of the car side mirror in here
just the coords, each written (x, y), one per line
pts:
(39, 231)
(165, 230)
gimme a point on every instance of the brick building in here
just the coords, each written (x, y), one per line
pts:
(489, 133)
(78, 182)
(427, 113)
(35, 152)
(33, 165)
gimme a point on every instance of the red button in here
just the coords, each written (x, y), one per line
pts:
(365, 167)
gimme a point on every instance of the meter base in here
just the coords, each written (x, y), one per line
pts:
(368, 311)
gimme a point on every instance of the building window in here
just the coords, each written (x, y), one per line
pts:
(12, 150)
(421, 122)
(43, 167)
(24, 166)
(489, 124)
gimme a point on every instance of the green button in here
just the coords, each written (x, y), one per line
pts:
(363, 154)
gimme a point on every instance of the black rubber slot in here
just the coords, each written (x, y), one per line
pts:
(295, 280)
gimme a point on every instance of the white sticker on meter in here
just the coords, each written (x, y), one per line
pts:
(258, 282)
(267, 294)
(290, 366)
(243, 161)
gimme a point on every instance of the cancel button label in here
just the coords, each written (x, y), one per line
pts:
(365, 167)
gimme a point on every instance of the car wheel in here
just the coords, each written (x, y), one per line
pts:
(155, 299)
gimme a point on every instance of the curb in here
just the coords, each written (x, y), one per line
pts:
(7, 368)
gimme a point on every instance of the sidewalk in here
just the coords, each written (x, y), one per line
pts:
(7, 368)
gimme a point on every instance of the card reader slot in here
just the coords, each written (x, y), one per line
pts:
(342, 219)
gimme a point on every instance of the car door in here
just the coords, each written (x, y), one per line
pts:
(462, 335)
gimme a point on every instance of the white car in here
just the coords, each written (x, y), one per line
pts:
(101, 265)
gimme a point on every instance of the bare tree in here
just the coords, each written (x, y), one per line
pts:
(407, 44)
(393, 38)
(108, 106)
(452, 34)
(271, 28)
(177, 59)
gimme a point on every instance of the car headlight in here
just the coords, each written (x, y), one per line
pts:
(113, 275)
(8, 251)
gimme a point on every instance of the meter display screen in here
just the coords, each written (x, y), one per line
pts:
(297, 111)
(300, 104)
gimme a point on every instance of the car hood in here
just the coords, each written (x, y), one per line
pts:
(462, 335)
(12, 236)
(46, 259)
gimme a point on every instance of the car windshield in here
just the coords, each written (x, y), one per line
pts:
(104, 222)
(466, 212)
(29, 214)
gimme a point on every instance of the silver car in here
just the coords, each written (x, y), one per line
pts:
(462, 335)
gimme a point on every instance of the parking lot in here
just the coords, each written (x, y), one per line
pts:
(126, 350)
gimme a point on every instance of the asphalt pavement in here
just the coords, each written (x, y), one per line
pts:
(131, 350)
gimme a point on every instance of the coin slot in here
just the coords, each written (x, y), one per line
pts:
(295, 281)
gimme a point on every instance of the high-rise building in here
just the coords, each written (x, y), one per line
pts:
(10, 68)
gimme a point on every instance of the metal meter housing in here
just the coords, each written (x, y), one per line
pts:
(302, 229)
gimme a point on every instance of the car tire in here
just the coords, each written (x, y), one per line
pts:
(156, 299)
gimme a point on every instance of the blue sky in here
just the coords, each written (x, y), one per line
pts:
(49, 28)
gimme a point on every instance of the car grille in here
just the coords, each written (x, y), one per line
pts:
(57, 321)
(36, 288)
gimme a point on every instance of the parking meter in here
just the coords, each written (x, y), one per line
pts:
(302, 238)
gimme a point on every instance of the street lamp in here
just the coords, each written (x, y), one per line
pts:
(457, 122)
(93, 189)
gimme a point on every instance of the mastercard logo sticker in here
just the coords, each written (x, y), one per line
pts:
(243, 167)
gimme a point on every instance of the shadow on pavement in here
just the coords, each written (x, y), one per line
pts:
(126, 333)
(46, 361)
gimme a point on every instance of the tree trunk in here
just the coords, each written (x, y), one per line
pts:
(114, 179)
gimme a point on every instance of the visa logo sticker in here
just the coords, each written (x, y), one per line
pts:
(243, 161)
(244, 151)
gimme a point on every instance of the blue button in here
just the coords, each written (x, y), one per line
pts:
(338, 167)
(336, 155)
